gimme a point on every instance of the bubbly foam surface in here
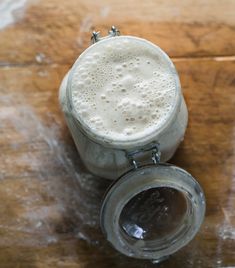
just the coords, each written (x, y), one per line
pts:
(123, 88)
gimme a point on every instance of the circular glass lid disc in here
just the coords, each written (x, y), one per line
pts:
(153, 211)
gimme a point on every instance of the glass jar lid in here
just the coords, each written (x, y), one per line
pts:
(152, 211)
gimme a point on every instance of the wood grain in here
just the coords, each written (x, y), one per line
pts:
(187, 29)
(49, 216)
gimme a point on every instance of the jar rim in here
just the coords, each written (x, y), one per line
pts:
(133, 183)
(143, 139)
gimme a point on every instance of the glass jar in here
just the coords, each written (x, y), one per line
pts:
(152, 208)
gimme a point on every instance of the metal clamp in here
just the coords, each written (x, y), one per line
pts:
(156, 154)
(96, 37)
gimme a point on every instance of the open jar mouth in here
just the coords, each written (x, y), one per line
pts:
(143, 138)
(153, 211)
(155, 217)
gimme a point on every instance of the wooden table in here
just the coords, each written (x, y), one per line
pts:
(48, 216)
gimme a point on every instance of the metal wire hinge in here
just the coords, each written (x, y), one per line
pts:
(156, 154)
(96, 37)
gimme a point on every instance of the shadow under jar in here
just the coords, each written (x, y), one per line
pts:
(124, 107)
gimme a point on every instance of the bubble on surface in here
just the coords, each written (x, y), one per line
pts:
(123, 88)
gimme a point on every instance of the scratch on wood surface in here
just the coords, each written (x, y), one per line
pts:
(204, 58)
(85, 27)
(87, 24)
(104, 11)
(226, 230)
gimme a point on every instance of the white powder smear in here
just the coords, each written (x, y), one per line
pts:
(7, 9)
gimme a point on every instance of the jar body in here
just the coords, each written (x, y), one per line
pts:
(153, 208)
(110, 162)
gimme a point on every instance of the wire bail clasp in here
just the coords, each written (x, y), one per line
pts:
(155, 157)
(96, 37)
